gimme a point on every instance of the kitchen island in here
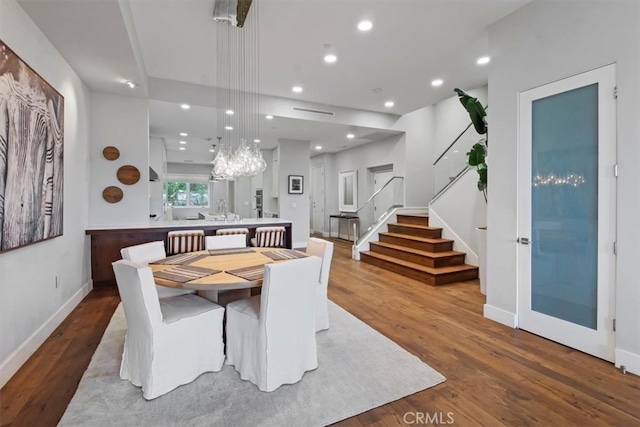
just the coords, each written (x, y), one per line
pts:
(106, 241)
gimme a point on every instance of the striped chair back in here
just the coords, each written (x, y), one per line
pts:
(185, 241)
(227, 231)
(269, 237)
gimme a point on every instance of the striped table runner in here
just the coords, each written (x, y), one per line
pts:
(181, 259)
(184, 273)
(231, 251)
(252, 273)
(281, 254)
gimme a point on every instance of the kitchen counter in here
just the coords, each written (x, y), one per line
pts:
(106, 240)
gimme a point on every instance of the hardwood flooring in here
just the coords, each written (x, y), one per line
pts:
(496, 376)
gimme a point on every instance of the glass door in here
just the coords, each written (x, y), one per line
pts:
(566, 231)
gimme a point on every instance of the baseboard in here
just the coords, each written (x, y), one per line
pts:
(501, 316)
(630, 361)
(26, 350)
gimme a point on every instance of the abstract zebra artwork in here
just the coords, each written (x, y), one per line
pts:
(31, 154)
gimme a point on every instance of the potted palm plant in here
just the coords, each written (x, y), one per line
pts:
(477, 159)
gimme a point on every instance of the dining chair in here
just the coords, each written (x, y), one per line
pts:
(271, 337)
(169, 342)
(323, 249)
(268, 237)
(225, 241)
(149, 252)
(181, 241)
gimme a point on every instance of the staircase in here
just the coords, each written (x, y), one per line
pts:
(411, 248)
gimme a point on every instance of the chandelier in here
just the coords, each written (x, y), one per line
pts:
(237, 83)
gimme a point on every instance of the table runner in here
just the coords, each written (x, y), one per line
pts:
(184, 273)
(255, 272)
(281, 254)
(230, 251)
(181, 259)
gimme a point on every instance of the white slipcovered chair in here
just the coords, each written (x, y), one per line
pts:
(149, 252)
(271, 338)
(228, 241)
(268, 237)
(182, 241)
(169, 342)
(323, 249)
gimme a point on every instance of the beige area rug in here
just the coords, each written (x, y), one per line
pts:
(359, 369)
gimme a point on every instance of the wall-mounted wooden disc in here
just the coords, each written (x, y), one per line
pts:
(128, 174)
(111, 153)
(112, 194)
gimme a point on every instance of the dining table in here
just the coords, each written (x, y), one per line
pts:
(220, 275)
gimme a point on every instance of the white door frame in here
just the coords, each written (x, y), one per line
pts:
(601, 341)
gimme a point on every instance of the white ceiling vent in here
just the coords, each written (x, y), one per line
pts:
(308, 110)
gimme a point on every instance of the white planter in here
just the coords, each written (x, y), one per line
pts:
(482, 258)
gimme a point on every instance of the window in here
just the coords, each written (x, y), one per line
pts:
(187, 194)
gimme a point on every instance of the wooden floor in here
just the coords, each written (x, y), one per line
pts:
(495, 375)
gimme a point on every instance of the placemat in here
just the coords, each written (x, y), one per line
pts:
(255, 272)
(181, 259)
(184, 273)
(230, 251)
(281, 254)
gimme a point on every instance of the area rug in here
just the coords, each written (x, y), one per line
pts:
(359, 369)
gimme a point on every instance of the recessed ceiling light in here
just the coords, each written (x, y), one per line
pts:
(183, 142)
(297, 89)
(365, 25)
(389, 104)
(318, 147)
(211, 150)
(184, 134)
(229, 112)
(185, 106)
(330, 59)
(437, 82)
(483, 60)
(228, 127)
(269, 117)
(350, 136)
(256, 141)
(130, 84)
(182, 148)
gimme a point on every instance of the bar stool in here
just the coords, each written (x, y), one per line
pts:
(227, 231)
(182, 241)
(269, 237)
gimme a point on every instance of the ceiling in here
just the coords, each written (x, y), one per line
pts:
(164, 42)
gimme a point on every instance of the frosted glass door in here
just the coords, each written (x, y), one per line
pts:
(566, 205)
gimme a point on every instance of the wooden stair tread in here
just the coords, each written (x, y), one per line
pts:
(416, 215)
(415, 226)
(430, 270)
(442, 254)
(416, 238)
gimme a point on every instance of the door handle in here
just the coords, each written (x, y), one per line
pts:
(524, 241)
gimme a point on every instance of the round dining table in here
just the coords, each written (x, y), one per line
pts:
(233, 273)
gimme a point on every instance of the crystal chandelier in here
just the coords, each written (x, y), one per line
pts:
(237, 81)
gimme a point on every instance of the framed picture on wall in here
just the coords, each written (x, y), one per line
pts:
(296, 184)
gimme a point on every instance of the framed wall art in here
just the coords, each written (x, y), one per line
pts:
(296, 184)
(31, 154)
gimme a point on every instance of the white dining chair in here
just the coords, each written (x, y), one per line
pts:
(182, 241)
(271, 338)
(323, 249)
(150, 252)
(228, 241)
(169, 342)
(268, 237)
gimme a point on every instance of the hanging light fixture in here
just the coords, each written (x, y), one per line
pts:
(237, 84)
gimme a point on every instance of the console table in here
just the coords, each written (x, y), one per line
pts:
(350, 221)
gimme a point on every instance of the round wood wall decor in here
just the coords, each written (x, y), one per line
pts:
(128, 174)
(112, 194)
(111, 153)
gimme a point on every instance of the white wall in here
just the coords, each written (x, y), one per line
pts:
(538, 44)
(31, 306)
(124, 123)
(294, 160)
